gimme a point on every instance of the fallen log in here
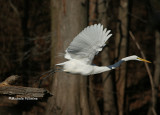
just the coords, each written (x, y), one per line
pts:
(21, 92)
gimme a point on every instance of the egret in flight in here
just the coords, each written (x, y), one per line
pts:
(81, 51)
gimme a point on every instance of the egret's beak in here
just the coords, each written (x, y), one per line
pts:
(144, 60)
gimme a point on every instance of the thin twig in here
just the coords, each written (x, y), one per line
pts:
(148, 71)
(14, 8)
(137, 17)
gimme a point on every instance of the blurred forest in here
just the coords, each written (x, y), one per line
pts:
(34, 35)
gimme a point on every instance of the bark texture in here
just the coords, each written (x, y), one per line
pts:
(121, 46)
(26, 92)
(69, 17)
(108, 95)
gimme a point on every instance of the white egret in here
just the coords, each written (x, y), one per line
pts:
(84, 47)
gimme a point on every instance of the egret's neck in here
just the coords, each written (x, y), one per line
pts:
(129, 58)
(106, 68)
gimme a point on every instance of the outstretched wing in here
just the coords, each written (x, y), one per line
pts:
(88, 43)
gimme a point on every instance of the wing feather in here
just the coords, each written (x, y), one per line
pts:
(88, 43)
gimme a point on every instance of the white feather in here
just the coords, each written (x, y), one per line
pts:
(88, 43)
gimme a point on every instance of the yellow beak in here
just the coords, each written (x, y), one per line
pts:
(144, 60)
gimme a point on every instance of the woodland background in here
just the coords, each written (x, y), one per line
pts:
(34, 35)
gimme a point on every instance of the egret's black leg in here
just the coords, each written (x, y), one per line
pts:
(50, 73)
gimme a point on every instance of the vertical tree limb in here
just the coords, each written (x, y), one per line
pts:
(108, 95)
(121, 50)
(157, 68)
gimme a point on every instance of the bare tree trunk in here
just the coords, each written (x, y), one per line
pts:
(92, 12)
(92, 99)
(157, 68)
(69, 17)
(152, 109)
(121, 41)
(98, 14)
(108, 95)
(154, 18)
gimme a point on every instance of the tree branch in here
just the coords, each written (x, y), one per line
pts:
(148, 71)
(14, 8)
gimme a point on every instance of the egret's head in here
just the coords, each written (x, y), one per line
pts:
(134, 57)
